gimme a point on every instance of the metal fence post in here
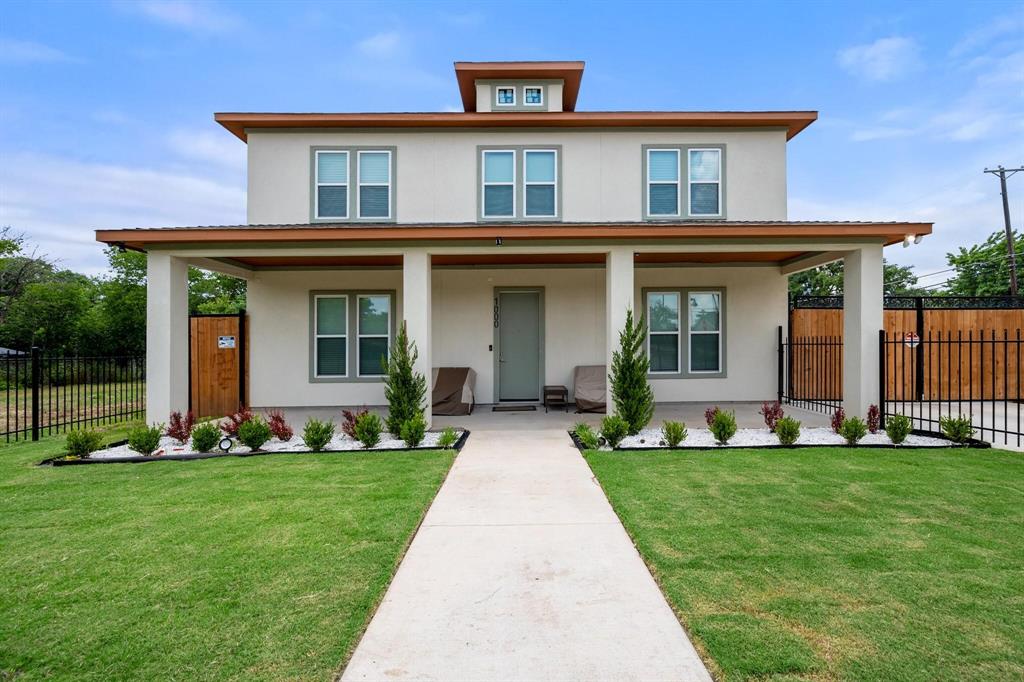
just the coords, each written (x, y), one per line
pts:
(781, 365)
(882, 378)
(36, 380)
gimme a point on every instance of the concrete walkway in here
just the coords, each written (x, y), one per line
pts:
(522, 571)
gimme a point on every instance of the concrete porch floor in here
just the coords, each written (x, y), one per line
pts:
(484, 419)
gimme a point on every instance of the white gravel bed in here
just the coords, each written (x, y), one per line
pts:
(752, 438)
(169, 446)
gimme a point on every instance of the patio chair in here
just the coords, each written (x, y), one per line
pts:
(453, 391)
(590, 388)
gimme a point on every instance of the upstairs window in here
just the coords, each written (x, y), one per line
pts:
(505, 96)
(540, 180)
(375, 184)
(705, 182)
(499, 183)
(533, 96)
(663, 182)
(331, 199)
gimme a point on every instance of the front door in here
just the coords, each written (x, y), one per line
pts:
(519, 345)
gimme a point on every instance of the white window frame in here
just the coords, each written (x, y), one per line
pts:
(317, 336)
(526, 183)
(678, 182)
(539, 88)
(360, 184)
(360, 335)
(678, 332)
(690, 333)
(689, 182)
(484, 183)
(497, 97)
(317, 184)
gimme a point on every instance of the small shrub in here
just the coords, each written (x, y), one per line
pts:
(414, 429)
(145, 439)
(957, 429)
(180, 428)
(630, 389)
(788, 430)
(723, 426)
(874, 419)
(675, 432)
(348, 421)
(448, 438)
(404, 388)
(82, 443)
(837, 419)
(317, 434)
(205, 437)
(586, 436)
(709, 415)
(278, 426)
(897, 427)
(368, 429)
(772, 412)
(614, 428)
(253, 433)
(235, 421)
(853, 429)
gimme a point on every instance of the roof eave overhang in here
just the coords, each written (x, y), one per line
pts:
(239, 123)
(143, 238)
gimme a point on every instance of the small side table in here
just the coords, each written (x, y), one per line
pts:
(556, 396)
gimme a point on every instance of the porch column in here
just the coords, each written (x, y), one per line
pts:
(862, 318)
(416, 297)
(166, 336)
(618, 282)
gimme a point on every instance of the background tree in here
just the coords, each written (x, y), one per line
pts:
(827, 280)
(983, 269)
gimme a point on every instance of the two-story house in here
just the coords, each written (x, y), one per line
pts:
(512, 238)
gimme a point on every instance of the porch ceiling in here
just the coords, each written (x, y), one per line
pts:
(515, 259)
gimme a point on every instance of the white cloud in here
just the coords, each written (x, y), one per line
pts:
(210, 146)
(58, 203)
(27, 51)
(385, 44)
(1010, 25)
(886, 59)
(202, 17)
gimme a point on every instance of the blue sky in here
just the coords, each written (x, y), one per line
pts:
(106, 107)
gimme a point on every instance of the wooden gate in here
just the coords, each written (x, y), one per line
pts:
(218, 364)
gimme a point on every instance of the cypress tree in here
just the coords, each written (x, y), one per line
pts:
(404, 388)
(632, 395)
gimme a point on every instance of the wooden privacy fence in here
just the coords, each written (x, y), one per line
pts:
(964, 346)
(218, 364)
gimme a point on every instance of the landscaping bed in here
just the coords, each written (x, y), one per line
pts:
(172, 450)
(702, 439)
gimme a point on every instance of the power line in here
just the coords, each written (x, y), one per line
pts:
(1004, 173)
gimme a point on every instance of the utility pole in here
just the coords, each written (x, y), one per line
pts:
(1004, 173)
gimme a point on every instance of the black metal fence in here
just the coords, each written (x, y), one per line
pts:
(811, 372)
(976, 374)
(46, 394)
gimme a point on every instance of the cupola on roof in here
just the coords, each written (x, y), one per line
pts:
(468, 73)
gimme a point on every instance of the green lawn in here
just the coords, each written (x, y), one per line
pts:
(835, 563)
(238, 568)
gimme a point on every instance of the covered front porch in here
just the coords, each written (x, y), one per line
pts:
(449, 297)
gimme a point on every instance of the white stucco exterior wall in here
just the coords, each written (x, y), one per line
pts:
(462, 314)
(436, 171)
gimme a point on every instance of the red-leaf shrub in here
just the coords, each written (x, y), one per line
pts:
(771, 410)
(348, 424)
(235, 420)
(709, 415)
(874, 419)
(838, 417)
(180, 428)
(278, 426)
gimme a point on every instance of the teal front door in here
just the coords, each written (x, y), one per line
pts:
(519, 345)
